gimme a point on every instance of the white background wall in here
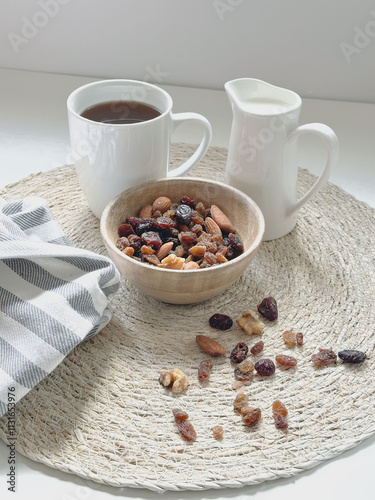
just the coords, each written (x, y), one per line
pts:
(319, 48)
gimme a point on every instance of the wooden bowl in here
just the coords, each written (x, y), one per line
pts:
(184, 286)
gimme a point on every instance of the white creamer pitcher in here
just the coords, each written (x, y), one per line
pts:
(262, 153)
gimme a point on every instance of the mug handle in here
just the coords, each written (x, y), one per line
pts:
(178, 119)
(332, 144)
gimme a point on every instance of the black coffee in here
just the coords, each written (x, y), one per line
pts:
(118, 112)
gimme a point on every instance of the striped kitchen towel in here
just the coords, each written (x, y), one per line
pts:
(52, 295)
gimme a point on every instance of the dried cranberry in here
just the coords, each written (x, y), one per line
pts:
(265, 367)
(125, 230)
(268, 308)
(183, 214)
(165, 223)
(145, 225)
(185, 200)
(221, 321)
(239, 353)
(133, 221)
(150, 238)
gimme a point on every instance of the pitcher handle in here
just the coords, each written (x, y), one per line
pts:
(332, 143)
(179, 119)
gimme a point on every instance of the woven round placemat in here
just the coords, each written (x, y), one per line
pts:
(102, 413)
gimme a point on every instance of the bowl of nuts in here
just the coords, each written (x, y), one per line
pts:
(182, 240)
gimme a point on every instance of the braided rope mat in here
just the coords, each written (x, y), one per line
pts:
(103, 415)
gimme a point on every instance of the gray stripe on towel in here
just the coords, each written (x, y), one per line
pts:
(42, 324)
(78, 297)
(17, 366)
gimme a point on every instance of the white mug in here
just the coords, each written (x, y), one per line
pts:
(262, 153)
(110, 158)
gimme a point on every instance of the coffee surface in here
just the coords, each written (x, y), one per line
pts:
(121, 112)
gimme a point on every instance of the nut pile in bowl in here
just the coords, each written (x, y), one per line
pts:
(176, 285)
(180, 235)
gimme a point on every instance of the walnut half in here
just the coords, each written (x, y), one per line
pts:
(174, 379)
(249, 322)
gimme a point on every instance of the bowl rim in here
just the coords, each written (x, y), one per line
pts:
(255, 244)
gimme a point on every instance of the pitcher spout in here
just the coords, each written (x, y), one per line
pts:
(257, 97)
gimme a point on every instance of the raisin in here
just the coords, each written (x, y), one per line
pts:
(151, 238)
(129, 251)
(221, 321)
(243, 376)
(289, 338)
(187, 238)
(257, 348)
(186, 430)
(240, 401)
(299, 338)
(217, 431)
(122, 243)
(265, 367)
(125, 230)
(235, 243)
(279, 415)
(145, 250)
(279, 408)
(239, 353)
(251, 417)
(196, 228)
(200, 208)
(324, 357)
(210, 259)
(285, 360)
(185, 200)
(196, 218)
(268, 308)
(179, 251)
(183, 214)
(246, 366)
(352, 356)
(135, 242)
(280, 422)
(204, 370)
(180, 414)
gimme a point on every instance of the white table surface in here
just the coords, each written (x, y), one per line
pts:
(34, 137)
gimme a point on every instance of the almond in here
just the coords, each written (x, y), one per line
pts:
(146, 212)
(211, 226)
(164, 250)
(221, 219)
(210, 346)
(161, 204)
